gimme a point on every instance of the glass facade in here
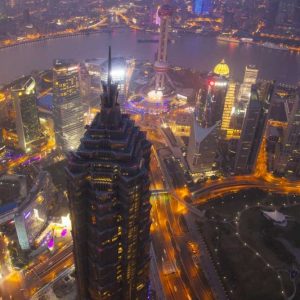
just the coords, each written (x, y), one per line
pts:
(67, 106)
(27, 119)
(253, 128)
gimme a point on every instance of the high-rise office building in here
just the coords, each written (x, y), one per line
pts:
(253, 129)
(108, 185)
(3, 109)
(287, 13)
(67, 106)
(229, 130)
(271, 13)
(27, 120)
(214, 105)
(288, 162)
(202, 150)
(250, 78)
(217, 83)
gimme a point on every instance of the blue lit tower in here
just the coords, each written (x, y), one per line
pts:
(108, 187)
(202, 7)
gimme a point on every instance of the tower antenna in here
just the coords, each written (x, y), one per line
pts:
(109, 74)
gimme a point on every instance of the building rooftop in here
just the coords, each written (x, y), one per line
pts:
(65, 65)
(277, 217)
(202, 133)
(222, 69)
(25, 83)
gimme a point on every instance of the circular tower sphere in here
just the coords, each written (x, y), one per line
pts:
(161, 67)
(165, 10)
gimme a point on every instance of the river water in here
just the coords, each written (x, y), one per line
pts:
(189, 50)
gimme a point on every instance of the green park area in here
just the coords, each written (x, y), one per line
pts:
(253, 257)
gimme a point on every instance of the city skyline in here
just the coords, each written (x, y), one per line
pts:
(169, 170)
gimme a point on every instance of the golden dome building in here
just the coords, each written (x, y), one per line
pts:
(222, 69)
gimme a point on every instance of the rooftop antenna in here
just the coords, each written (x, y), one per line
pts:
(109, 74)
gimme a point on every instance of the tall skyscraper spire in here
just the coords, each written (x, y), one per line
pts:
(163, 84)
(110, 109)
(108, 187)
(109, 72)
(161, 65)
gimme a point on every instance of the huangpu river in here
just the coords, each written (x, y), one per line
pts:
(189, 50)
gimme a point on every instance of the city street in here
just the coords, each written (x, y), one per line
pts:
(187, 282)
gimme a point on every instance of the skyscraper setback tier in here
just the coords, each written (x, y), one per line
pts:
(67, 107)
(108, 187)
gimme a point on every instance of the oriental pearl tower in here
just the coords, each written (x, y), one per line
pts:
(162, 82)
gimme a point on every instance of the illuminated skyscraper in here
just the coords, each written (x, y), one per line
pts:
(216, 90)
(3, 110)
(27, 119)
(108, 186)
(253, 129)
(67, 107)
(202, 7)
(250, 78)
(226, 127)
(119, 76)
(214, 102)
(202, 150)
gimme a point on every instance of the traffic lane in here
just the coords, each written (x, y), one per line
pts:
(42, 266)
(34, 286)
(197, 282)
(11, 287)
(195, 273)
(172, 283)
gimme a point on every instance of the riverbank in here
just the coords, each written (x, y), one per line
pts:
(204, 52)
(54, 37)
(87, 32)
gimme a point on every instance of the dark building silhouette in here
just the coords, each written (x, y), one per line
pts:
(288, 159)
(108, 186)
(253, 128)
